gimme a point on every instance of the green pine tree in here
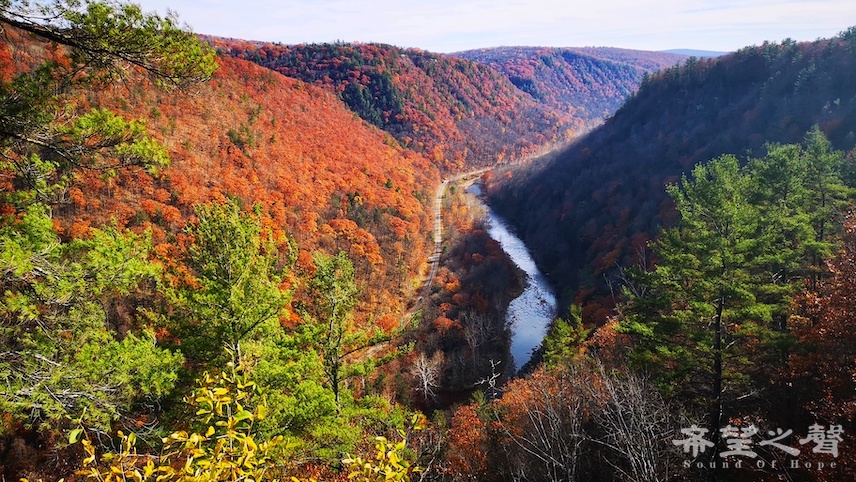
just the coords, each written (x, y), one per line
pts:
(333, 293)
(713, 321)
(694, 326)
(60, 360)
(235, 294)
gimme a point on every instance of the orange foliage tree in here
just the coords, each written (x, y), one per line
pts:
(820, 374)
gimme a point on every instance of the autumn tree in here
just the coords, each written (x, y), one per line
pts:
(467, 453)
(223, 443)
(826, 334)
(820, 372)
(542, 420)
(577, 421)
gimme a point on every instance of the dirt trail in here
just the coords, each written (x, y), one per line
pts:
(372, 350)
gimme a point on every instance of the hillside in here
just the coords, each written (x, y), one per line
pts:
(135, 274)
(319, 174)
(589, 83)
(458, 112)
(592, 208)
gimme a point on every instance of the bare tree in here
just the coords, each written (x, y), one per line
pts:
(478, 330)
(581, 422)
(635, 424)
(427, 372)
(543, 417)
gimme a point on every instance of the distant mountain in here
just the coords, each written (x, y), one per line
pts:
(588, 83)
(458, 112)
(695, 53)
(594, 206)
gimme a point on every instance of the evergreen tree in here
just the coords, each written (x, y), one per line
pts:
(713, 321)
(59, 358)
(704, 304)
(826, 192)
(66, 352)
(564, 342)
(43, 143)
(235, 292)
(105, 36)
(333, 291)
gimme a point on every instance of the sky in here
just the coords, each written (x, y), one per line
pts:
(445, 26)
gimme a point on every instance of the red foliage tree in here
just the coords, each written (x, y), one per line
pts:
(821, 371)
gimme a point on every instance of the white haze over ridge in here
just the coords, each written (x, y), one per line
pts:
(454, 25)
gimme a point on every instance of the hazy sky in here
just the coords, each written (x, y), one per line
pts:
(452, 25)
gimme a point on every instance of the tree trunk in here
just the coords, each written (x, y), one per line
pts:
(716, 408)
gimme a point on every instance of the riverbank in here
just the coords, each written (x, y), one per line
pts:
(463, 339)
(529, 315)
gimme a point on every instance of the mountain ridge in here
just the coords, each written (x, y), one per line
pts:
(589, 83)
(459, 113)
(591, 208)
(696, 52)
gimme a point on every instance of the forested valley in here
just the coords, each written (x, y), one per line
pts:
(588, 83)
(590, 210)
(214, 258)
(701, 239)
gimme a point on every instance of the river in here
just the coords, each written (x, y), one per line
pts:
(530, 314)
